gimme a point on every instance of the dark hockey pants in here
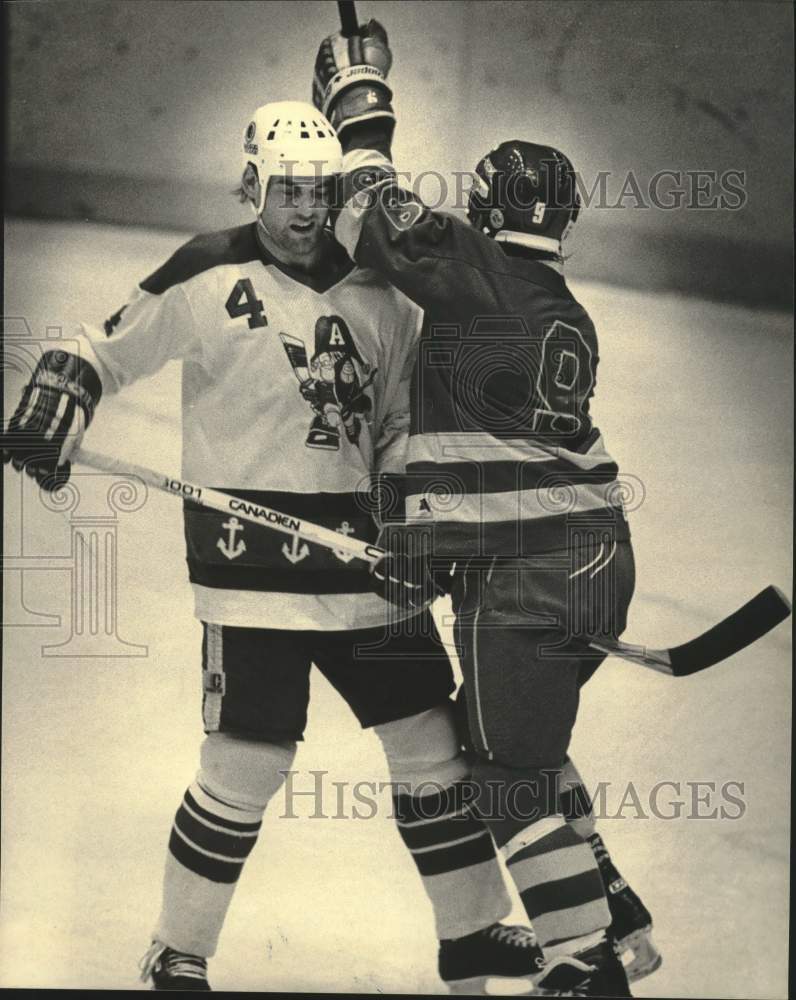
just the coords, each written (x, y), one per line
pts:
(522, 632)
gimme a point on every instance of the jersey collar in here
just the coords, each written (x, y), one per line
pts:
(335, 265)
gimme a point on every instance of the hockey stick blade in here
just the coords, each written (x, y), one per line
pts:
(736, 632)
(739, 630)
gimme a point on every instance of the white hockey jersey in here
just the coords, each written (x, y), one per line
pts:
(295, 391)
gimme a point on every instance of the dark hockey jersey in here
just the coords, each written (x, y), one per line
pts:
(503, 454)
(295, 392)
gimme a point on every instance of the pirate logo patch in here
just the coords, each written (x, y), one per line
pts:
(333, 381)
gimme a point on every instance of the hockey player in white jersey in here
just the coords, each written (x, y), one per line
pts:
(295, 372)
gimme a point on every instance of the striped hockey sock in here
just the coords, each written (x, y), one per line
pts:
(209, 843)
(559, 883)
(455, 856)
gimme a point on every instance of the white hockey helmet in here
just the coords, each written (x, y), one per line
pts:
(290, 139)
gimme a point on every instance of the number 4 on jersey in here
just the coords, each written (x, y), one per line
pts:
(243, 302)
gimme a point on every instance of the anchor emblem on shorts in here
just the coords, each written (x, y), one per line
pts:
(229, 546)
(297, 551)
(344, 529)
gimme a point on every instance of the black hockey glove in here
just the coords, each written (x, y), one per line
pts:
(56, 408)
(406, 576)
(350, 81)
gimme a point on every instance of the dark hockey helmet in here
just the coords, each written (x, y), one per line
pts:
(521, 187)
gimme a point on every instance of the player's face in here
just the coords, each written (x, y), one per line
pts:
(294, 215)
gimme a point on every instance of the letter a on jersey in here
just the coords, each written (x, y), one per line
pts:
(332, 335)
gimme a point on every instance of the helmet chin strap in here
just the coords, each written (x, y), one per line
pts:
(259, 220)
(258, 209)
(262, 228)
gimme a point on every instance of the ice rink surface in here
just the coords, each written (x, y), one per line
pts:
(694, 399)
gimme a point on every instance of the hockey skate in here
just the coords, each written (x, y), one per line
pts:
(174, 970)
(595, 972)
(499, 951)
(631, 922)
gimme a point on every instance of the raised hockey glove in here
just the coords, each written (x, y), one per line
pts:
(56, 408)
(405, 576)
(350, 81)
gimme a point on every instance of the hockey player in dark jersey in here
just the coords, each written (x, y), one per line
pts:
(510, 482)
(294, 392)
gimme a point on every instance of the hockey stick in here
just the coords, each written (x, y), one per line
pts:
(729, 636)
(245, 510)
(734, 633)
(297, 356)
(348, 18)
